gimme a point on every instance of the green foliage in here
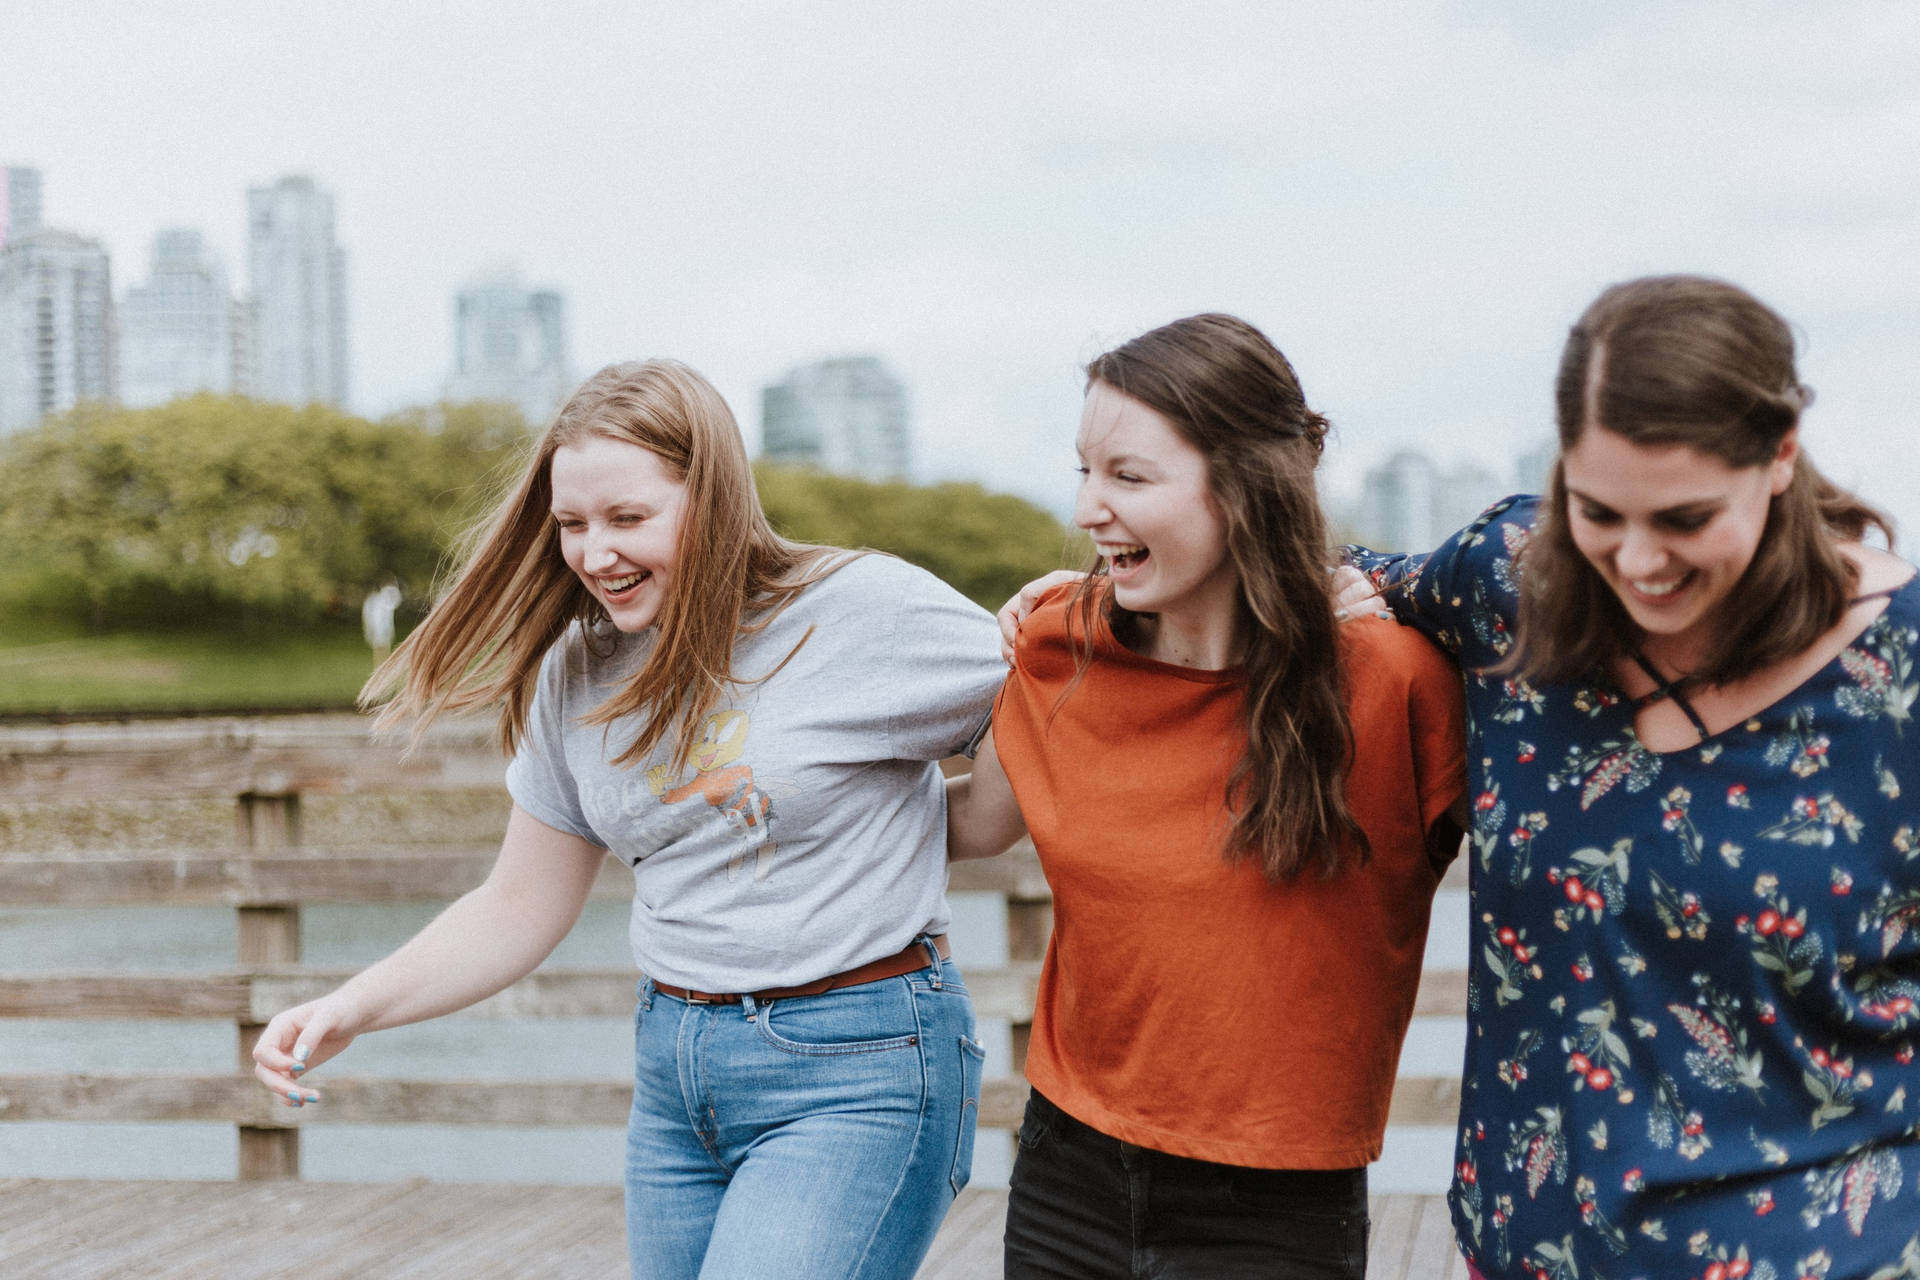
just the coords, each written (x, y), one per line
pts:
(987, 545)
(313, 666)
(212, 509)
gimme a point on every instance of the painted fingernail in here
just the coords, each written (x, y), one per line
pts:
(1340, 615)
(293, 1095)
(312, 1097)
(300, 1052)
(298, 1067)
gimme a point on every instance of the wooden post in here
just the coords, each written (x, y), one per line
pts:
(1029, 926)
(267, 935)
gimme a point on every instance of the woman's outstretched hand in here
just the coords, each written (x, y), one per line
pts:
(300, 1039)
(1014, 611)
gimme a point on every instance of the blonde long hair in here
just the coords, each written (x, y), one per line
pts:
(513, 596)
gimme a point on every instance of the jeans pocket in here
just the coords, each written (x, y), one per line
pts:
(1036, 1122)
(973, 1062)
(842, 1022)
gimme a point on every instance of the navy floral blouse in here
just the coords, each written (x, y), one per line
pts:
(1694, 996)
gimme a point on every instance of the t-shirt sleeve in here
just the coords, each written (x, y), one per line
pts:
(942, 657)
(1437, 714)
(1463, 594)
(538, 777)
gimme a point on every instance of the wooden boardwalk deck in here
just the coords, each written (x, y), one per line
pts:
(88, 1230)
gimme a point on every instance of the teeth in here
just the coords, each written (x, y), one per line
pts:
(1114, 550)
(616, 585)
(1658, 588)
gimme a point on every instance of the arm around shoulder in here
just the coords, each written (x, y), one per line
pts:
(983, 816)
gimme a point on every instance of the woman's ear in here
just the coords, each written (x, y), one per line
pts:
(1781, 468)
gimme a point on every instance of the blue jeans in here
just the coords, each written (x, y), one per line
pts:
(812, 1138)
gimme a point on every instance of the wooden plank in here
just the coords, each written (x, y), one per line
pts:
(307, 875)
(218, 756)
(1003, 1100)
(1432, 1251)
(1015, 874)
(1391, 1222)
(969, 1246)
(1431, 1100)
(211, 996)
(111, 1099)
(1442, 994)
(238, 1099)
(402, 1231)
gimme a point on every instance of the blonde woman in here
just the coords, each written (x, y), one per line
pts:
(753, 727)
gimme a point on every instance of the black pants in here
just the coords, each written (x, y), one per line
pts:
(1084, 1206)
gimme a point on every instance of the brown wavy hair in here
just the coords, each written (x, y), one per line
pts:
(1231, 394)
(1688, 360)
(513, 596)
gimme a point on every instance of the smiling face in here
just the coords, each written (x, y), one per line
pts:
(1145, 501)
(1670, 529)
(618, 508)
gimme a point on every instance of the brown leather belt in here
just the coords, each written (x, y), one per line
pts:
(913, 956)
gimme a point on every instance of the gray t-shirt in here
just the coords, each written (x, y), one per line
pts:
(807, 834)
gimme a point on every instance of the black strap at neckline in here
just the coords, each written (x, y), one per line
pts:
(1664, 688)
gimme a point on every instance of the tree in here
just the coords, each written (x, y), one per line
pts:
(222, 510)
(987, 545)
(212, 509)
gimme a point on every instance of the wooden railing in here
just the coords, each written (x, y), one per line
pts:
(276, 775)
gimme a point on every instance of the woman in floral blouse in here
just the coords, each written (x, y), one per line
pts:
(1695, 862)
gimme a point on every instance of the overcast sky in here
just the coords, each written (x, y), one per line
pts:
(1414, 200)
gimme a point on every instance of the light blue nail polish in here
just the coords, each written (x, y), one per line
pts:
(292, 1096)
(300, 1052)
(298, 1067)
(313, 1097)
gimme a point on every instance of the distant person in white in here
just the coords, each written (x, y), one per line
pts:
(376, 618)
(753, 726)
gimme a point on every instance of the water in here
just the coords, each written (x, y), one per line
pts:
(1417, 1159)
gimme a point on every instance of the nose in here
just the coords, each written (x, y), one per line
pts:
(1641, 553)
(597, 553)
(1089, 509)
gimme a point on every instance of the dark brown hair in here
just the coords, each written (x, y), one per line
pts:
(1686, 360)
(513, 595)
(1231, 394)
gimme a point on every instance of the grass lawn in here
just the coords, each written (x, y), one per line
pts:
(49, 674)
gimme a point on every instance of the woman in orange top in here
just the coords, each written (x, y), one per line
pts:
(1242, 808)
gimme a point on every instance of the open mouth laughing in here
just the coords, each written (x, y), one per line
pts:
(1123, 557)
(619, 590)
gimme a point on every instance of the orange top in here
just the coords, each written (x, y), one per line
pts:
(1186, 1003)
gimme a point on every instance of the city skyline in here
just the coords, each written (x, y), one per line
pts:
(1414, 200)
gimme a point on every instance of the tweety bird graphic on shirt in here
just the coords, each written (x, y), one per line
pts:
(727, 786)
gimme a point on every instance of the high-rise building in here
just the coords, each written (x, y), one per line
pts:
(1408, 504)
(299, 279)
(847, 415)
(1396, 503)
(20, 207)
(176, 331)
(510, 343)
(56, 313)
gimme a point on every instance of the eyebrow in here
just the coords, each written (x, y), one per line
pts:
(1116, 460)
(1698, 506)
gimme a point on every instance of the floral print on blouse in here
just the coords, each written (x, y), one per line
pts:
(1694, 997)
